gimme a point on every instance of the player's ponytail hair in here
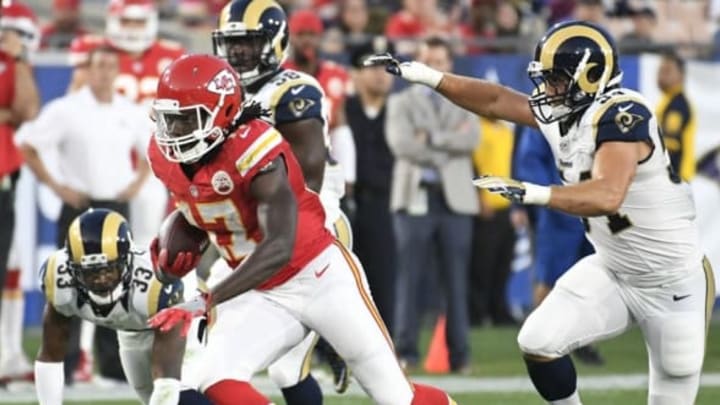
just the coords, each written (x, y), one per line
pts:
(251, 110)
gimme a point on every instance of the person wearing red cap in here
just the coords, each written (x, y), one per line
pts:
(64, 26)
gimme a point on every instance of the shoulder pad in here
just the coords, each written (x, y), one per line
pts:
(55, 278)
(262, 145)
(161, 296)
(622, 117)
(297, 96)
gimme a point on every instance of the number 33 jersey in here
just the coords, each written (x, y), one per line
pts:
(653, 237)
(144, 294)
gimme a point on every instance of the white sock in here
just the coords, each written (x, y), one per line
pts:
(11, 322)
(87, 333)
(573, 399)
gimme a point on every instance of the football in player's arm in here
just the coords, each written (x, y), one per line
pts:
(105, 280)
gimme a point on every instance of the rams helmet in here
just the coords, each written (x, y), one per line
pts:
(100, 255)
(574, 63)
(253, 36)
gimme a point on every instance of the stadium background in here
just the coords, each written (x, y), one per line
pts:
(495, 357)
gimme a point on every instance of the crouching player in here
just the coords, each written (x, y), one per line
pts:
(101, 277)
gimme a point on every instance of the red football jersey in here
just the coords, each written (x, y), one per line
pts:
(138, 75)
(334, 81)
(218, 200)
(10, 157)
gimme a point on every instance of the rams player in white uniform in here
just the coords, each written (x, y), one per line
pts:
(253, 37)
(101, 277)
(648, 269)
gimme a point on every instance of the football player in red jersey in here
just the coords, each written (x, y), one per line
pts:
(306, 30)
(236, 177)
(131, 27)
(19, 103)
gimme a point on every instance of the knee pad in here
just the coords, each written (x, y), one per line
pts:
(536, 339)
(682, 347)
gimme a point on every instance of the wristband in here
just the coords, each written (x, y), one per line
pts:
(535, 194)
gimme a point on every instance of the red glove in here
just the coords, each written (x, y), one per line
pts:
(182, 314)
(184, 262)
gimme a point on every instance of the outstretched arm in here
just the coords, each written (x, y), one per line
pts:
(487, 99)
(479, 96)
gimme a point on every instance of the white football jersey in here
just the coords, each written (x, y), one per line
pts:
(144, 297)
(290, 96)
(653, 236)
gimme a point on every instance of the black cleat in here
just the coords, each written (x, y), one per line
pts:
(589, 356)
(340, 370)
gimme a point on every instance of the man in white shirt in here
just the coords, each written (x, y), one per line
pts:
(91, 132)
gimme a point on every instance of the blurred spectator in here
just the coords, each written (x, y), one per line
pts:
(64, 26)
(493, 234)
(418, 19)
(433, 201)
(93, 132)
(558, 239)
(641, 38)
(676, 116)
(19, 103)
(507, 28)
(195, 13)
(590, 10)
(306, 30)
(374, 238)
(351, 27)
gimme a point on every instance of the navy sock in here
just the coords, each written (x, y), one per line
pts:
(192, 397)
(306, 392)
(554, 379)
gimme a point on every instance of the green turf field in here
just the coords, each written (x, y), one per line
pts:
(495, 354)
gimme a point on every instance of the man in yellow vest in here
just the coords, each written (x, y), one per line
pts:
(493, 232)
(676, 117)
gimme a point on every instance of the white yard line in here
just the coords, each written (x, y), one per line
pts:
(24, 392)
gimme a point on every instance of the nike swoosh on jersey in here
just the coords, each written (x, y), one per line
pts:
(625, 108)
(297, 90)
(320, 273)
(680, 297)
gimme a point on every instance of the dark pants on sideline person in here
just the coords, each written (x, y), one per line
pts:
(492, 254)
(7, 221)
(449, 234)
(375, 247)
(105, 340)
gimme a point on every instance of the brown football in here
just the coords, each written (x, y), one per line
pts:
(178, 235)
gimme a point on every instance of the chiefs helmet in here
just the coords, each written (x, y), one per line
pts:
(131, 36)
(579, 57)
(100, 255)
(198, 100)
(20, 18)
(253, 37)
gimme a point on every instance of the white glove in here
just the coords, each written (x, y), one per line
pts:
(415, 72)
(515, 191)
(166, 391)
